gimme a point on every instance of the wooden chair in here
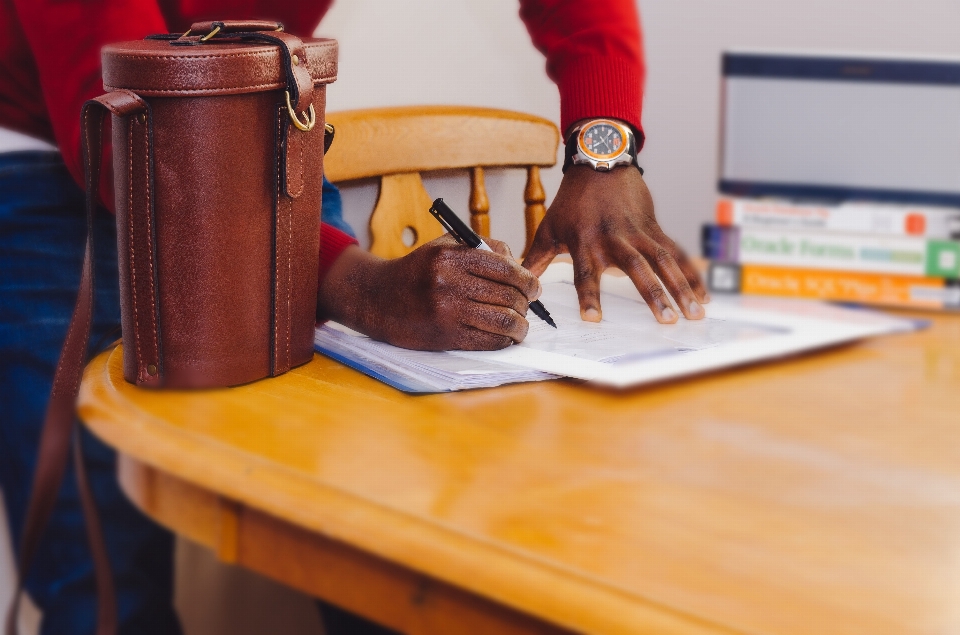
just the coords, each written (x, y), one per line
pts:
(397, 144)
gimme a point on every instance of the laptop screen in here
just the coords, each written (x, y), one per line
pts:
(840, 128)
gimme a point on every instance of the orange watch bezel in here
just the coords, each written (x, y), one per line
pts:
(624, 132)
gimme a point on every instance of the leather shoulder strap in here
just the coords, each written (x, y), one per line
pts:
(58, 426)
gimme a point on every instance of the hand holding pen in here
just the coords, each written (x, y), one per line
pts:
(438, 297)
(466, 236)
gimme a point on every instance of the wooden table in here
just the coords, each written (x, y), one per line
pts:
(814, 495)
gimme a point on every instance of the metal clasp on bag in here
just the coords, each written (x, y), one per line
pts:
(310, 120)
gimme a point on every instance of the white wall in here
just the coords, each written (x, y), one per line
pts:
(683, 44)
(473, 53)
(476, 52)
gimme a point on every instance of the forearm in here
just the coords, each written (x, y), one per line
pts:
(441, 296)
(346, 290)
(594, 54)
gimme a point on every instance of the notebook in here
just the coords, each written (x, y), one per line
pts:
(627, 348)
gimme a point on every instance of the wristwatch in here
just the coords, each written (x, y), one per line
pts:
(603, 144)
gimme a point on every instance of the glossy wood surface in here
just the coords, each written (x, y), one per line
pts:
(819, 494)
(389, 594)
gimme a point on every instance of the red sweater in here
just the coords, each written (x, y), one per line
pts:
(50, 58)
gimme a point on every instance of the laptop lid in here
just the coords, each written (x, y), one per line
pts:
(841, 128)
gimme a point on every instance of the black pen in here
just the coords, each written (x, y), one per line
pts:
(465, 236)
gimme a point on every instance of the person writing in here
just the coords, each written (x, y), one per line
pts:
(50, 64)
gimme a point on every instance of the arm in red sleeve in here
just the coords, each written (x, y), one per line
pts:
(594, 54)
(65, 38)
(332, 243)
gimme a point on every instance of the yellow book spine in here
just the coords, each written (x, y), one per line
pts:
(844, 286)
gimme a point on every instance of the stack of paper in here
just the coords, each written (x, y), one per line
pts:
(416, 371)
(628, 347)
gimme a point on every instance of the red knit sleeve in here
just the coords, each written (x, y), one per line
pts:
(594, 54)
(65, 37)
(332, 243)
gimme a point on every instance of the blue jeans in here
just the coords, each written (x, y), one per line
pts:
(42, 230)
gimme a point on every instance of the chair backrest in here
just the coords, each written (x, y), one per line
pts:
(397, 144)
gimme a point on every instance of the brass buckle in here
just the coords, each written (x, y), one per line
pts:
(210, 34)
(217, 30)
(311, 119)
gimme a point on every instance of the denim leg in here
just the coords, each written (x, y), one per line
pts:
(42, 230)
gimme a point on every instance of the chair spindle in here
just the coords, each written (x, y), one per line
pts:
(479, 203)
(534, 197)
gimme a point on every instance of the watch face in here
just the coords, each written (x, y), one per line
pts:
(602, 140)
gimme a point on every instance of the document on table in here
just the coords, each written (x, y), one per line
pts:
(416, 371)
(628, 347)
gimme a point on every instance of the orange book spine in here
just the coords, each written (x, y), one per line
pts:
(849, 286)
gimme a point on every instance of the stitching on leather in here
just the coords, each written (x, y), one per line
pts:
(118, 110)
(133, 257)
(289, 273)
(220, 89)
(153, 303)
(299, 191)
(270, 51)
(127, 56)
(73, 323)
(193, 90)
(300, 170)
(276, 269)
(92, 269)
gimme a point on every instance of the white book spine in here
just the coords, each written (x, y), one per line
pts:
(856, 218)
(850, 252)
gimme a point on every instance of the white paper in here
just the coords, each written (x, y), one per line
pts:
(417, 371)
(629, 347)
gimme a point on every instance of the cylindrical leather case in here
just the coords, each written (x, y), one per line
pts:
(218, 189)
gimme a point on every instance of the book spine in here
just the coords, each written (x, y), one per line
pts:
(857, 218)
(837, 286)
(835, 251)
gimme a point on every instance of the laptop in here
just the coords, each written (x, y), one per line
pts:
(841, 127)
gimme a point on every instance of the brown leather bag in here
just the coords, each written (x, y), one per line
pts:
(218, 144)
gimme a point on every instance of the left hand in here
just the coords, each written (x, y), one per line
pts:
(605, 219)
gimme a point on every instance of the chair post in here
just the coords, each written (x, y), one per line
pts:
(479, 203)
(534, 197)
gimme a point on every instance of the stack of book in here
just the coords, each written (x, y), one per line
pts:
(862, 252)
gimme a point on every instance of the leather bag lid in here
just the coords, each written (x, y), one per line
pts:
(158, 69)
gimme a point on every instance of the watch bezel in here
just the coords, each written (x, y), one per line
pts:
(624, 133)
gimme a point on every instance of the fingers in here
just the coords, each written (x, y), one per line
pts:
(692, 275)
(586, 278)
(632, 263)
(663, 264)
(501, 270)
(485, 291)
(686, 266)
(499, 247)
(476, 340)
(542, 252)
(488, 327)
